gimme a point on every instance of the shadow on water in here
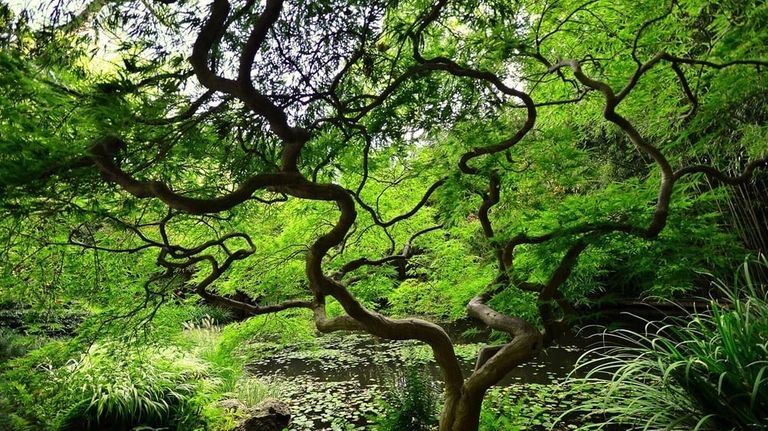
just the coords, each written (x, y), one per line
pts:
(366, 359)
(334, 381)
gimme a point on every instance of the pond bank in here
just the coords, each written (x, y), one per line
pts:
(333, 382)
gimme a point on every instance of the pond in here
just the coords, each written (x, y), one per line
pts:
(333, 383)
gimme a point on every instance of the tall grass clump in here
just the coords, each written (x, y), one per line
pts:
(705, 372)
(410, 403)
(120, 392)
(107, 387)
(250, 391)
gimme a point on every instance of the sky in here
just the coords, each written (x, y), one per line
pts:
(38, 6)
(106, 41)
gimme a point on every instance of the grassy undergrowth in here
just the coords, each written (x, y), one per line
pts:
(706, 372)
(180, 384)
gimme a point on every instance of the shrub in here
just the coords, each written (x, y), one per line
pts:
(121, 384)
(287, 328)
(251, 391)
(201, 312)
(109, 389)
(13, 344)
(410, 403)
(53, 321)
(105, 388)
(707, 373)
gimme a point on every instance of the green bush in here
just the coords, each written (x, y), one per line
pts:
(251, 391)
(201, 312)
(286, 328)
(53, 321)
(410, 403)
(11, 421)
(110, 389)
(13, 344)
(707, 372)
(105, 388)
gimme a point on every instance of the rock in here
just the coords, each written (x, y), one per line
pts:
(269, 415)
(232, 404)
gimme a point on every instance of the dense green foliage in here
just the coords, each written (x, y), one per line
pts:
(707, 373)
(178, 382)
(575, 170)
(410, 403)
(124, 228)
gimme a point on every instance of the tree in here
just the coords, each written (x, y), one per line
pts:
(320, 102)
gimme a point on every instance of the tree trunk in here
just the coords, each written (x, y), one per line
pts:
(461, 414)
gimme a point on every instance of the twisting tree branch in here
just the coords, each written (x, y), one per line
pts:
(611, 102)
(494, 362)
(104, 150)
(401, 217)
(406, 254)
(719, 176)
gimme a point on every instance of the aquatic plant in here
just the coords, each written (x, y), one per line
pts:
(410, 402)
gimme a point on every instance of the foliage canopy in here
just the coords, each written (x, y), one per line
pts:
(365, 158)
